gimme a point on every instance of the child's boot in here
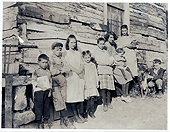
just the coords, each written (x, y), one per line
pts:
(110, 106)
(40, 125)
(68, 124)
(62, 125)
(46, 125)
(91, 114)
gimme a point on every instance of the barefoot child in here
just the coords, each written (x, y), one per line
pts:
(91, 82)
(42, 85)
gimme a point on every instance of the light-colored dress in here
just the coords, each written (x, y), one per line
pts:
(130, 54)
(75, 85)
(90, 80)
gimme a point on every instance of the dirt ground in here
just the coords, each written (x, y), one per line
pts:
(141, 114)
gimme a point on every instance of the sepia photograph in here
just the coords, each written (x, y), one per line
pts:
(84, 65)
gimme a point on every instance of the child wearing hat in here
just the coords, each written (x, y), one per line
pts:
(59, 84)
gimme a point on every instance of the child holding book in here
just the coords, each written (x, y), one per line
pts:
(42, 84)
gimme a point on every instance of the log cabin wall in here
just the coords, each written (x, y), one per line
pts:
(50, 22)
(148, 23)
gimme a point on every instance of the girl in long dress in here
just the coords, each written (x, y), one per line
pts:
(75, 82)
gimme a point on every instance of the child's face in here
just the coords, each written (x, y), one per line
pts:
(72, 43)
(124, 31)
(87, 58)
(111, 39)
(156, 65)
(43, 63)
(57, 51)
(101, 44)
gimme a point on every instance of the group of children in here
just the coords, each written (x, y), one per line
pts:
(74, 76)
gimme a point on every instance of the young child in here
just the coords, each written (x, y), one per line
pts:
(121, 62)
(105, 73)
(42, 85)
(59, 84)
(155, 78)
(91, 82)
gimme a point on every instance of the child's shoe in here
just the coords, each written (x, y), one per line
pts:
(68, 124)
(110, 106)
(91, 114)
(46, 126)
(78, 119)
(62, 124)
(105, 108)
(84, 119)
(40, 125)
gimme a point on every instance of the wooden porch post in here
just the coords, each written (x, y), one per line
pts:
(8, 101)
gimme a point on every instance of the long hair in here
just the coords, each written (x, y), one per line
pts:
(68, 40)
(108, 35)
(114, 36)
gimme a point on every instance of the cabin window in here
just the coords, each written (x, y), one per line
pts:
(116, 15)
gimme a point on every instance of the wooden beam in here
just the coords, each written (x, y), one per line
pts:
(20, 46)
(8, 101)
(36, 12)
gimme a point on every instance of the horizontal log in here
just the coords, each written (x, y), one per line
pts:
(148, 8)
(21, 46)
(149, 31)
(58, 35)
(36, 12)
(98, 6)
(70, 9)
(30, 21)
(145, 18)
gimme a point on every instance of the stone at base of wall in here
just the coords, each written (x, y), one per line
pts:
(23, 118)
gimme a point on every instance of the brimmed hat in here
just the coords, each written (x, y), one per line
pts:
(56, 44)
(157, 61)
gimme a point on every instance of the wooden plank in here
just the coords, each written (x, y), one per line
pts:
(36, 12)
(8, 101)
(9, 58)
